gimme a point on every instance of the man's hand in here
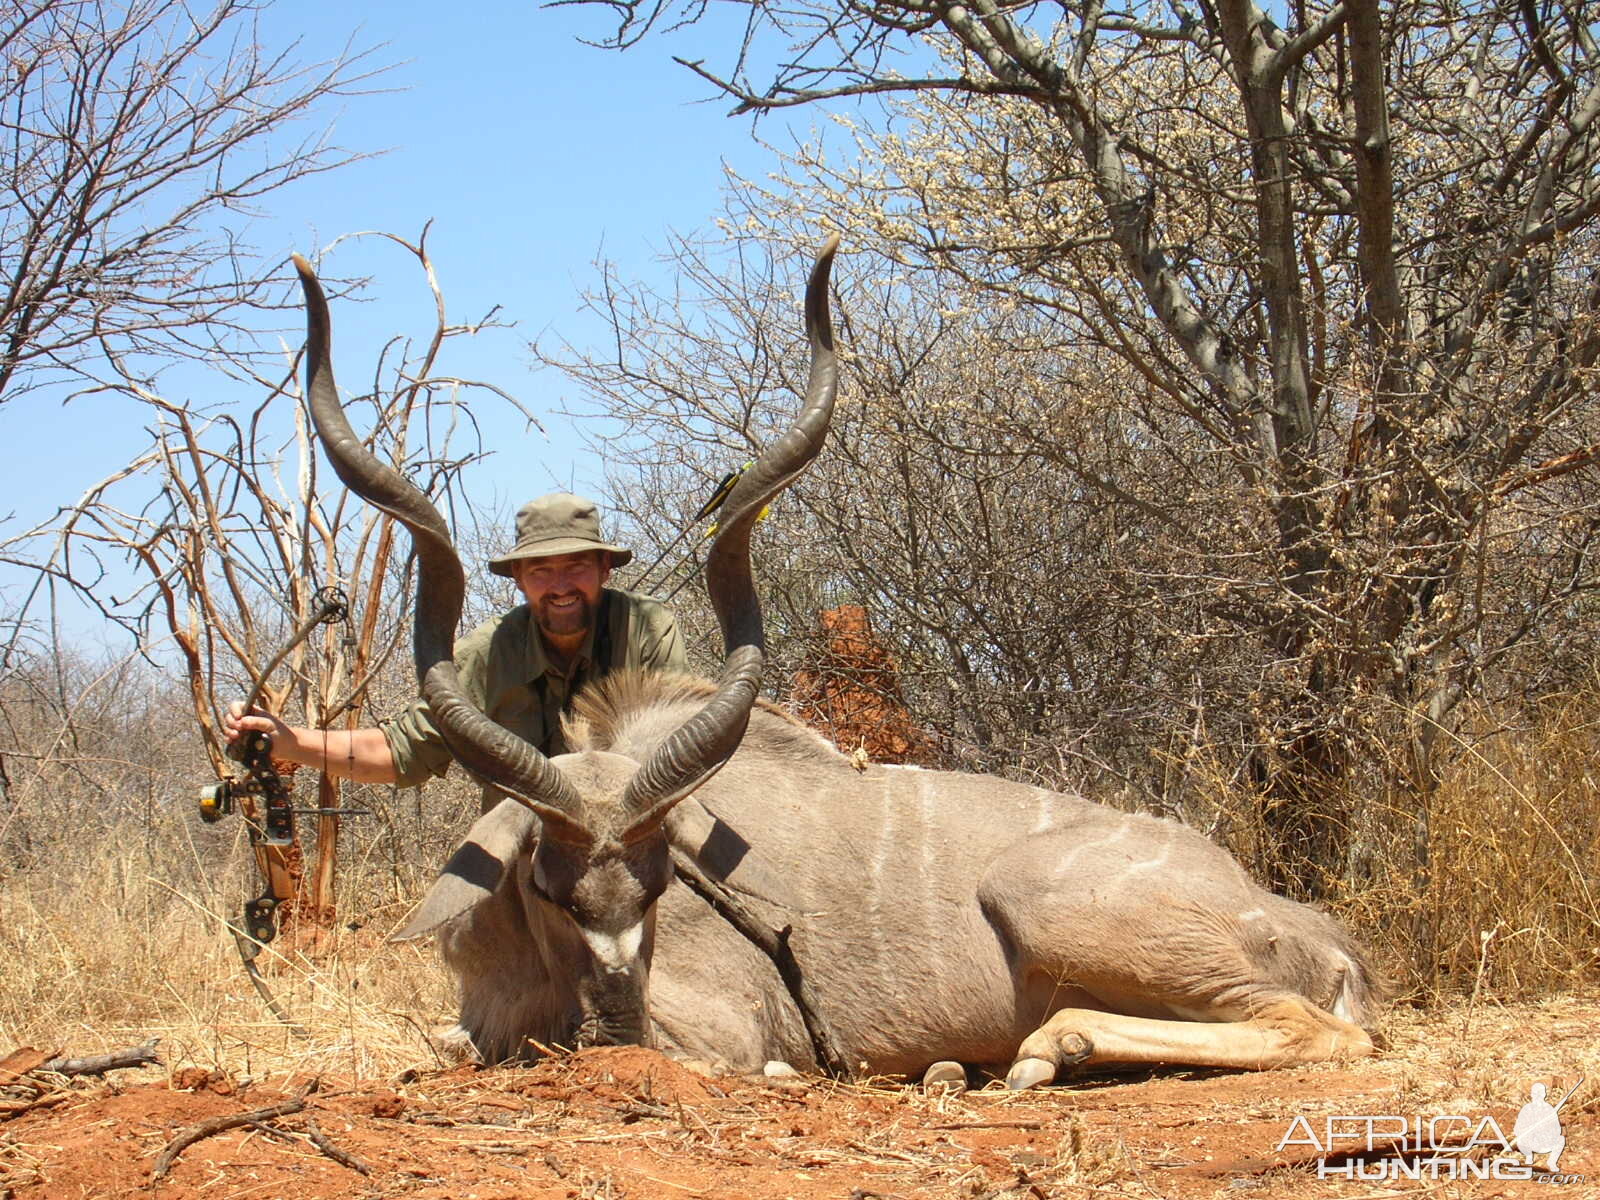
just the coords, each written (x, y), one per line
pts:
(236, 722)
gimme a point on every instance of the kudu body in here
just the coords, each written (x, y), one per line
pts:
(935, 915)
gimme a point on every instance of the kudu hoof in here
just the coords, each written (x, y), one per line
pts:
(453, 1045)
(946, 1075)
(1029, 1072)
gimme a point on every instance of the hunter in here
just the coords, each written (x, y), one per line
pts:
(523, 668)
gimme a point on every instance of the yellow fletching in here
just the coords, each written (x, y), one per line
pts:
(716, 525)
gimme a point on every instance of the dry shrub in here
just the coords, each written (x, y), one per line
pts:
(1505, 902)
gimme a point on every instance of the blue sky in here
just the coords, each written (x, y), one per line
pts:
(530, 152)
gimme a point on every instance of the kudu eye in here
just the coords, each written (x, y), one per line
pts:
(539, 886)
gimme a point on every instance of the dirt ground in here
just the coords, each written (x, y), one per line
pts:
(626, 1123)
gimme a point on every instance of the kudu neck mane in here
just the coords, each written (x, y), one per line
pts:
(630, 712)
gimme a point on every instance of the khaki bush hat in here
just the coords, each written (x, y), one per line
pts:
(559, 523)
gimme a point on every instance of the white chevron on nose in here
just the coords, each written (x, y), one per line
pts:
(615, 952)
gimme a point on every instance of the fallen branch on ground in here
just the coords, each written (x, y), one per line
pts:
(98, 1064)
(19, 1062)
(219, 1125)
(15, 1108)
(324, 1143)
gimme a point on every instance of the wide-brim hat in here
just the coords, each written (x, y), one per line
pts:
(559, 523)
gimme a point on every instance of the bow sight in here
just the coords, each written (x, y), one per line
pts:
(219, 799)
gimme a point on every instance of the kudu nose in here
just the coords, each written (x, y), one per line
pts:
(631, 1029)
(615, 1006)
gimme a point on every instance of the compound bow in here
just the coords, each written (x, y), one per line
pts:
(271, 829)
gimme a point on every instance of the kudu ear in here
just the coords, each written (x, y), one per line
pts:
(475, 869)
(725, 855)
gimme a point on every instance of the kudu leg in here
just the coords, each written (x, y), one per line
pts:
(1282, 1033)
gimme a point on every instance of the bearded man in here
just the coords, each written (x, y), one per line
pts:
(521, 669)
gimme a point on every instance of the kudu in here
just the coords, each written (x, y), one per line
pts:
(934, 915)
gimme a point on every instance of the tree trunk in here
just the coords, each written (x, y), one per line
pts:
(1304, 806)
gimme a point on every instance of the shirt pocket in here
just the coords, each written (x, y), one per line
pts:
(520, 710)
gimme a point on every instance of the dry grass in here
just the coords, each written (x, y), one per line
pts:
(1507, 905)
(115, 898)
(124, 946)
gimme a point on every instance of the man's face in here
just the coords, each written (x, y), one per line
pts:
(563, 591)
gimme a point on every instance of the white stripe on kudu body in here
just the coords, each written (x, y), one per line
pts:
(1045, 811)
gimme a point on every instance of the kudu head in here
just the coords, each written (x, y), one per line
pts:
(601, 858)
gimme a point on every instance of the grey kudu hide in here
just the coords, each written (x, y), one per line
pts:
(933, 915)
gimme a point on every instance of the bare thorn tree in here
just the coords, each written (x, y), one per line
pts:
(232, 537)
(134, 136)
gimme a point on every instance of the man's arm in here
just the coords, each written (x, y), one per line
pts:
(359, 754)
(405, 750)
